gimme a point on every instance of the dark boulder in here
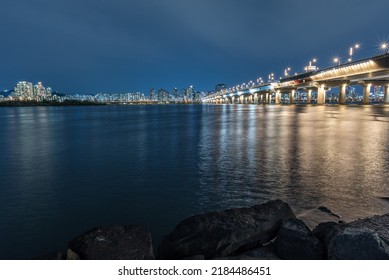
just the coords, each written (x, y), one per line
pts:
(131, 242)
(295, 241)
(346, 242)
(380, 224)
(221, 234)
(261, 253)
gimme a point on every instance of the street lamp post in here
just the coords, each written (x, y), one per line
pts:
(287, 72)
(351, 52)
(310, 66)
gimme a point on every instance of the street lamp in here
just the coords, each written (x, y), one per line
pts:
(384, 47)
(310, 66)
(287, 72)
(336, 60)
(351, 52)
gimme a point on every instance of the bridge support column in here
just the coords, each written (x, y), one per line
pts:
(291, 96)
(366, 94)
(386, 94)
(255, 98)
(267, 98)
(321, 95)
(342, 94)
(241, 99)
(309, 96)
(278, 97)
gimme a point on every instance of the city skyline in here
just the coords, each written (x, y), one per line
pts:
(115, 47)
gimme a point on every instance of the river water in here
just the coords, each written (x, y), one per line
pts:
(64, 170)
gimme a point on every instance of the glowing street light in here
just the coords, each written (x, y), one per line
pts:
(287, 72)
(384, 47)
(310, 66)
(351, 52)
(336, 60)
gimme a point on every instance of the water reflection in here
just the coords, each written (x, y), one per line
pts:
(310, 156)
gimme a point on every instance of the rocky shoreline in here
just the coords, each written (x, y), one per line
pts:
(269, 231)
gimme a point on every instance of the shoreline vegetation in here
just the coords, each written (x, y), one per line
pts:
(268, 231)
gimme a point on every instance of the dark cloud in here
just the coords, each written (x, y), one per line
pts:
(112, 45)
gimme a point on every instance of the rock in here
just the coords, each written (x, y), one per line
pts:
(319, 215)
(70, 255)
(380, 224)
(132, 242)
(261, 253)
(295, 241)
(325, 231)
(345, 242)
(221, 234)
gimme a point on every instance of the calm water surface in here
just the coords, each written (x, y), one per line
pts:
(64, 170)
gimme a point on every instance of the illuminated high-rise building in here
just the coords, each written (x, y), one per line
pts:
(24, 90)
(175, 93)
(152, 94)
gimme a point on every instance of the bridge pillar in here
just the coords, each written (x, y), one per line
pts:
(267, 98)
(366, 94)
(255, 98)
(241, 99)
(342, 94)
(386, 94)
(291, 96)
(278, 97)
(321, 95)
(309, 96)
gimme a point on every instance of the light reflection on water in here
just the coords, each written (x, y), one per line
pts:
(308, 156)
(65, 170)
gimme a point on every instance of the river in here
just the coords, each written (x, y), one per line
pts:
(64, 170)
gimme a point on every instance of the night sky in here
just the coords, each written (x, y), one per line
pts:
(91, 46)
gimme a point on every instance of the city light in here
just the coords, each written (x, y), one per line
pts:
(310, 66)
(351, 52)
(287, 72)
(384, 47)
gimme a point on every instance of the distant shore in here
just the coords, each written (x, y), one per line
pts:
(33, 103)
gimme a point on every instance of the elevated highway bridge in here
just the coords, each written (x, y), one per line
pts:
(369, 72)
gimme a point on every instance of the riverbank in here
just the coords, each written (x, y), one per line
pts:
(33, 103)
(269, 231)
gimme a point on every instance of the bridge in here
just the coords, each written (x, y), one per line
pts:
(369, 72)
